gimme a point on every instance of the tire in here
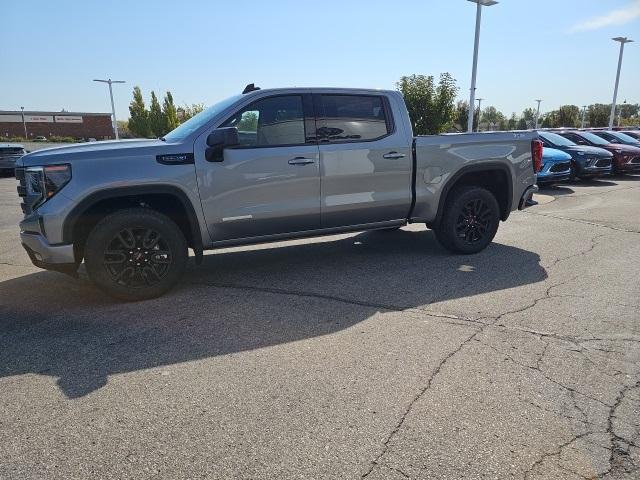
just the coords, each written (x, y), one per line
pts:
(136, 254)
(469, 221)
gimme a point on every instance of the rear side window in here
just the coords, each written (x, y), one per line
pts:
(352, 118)
(269, 122)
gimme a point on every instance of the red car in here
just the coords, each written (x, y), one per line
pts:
(626, 159)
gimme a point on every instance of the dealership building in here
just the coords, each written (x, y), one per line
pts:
(60, 124)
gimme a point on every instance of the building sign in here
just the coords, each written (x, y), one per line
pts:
(10, 118)
(68, 119)
(38, 118)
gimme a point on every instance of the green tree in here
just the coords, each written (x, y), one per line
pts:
(493, 117)
(568, 116)
(248, 122)
(461, 115)
(431, 108)
(529, 117)
(169, 113)
(598, 115)
(186, 112)
(156, 119)
(512, 124)
(522, 124)
(139, 115)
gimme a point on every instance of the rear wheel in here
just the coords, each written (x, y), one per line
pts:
(136, 254)
(470, 220)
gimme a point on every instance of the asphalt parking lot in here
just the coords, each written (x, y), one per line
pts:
(373, 355)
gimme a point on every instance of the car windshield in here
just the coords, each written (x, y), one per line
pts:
(593, 138)
(623, 137)
(556, 139)
(197, 121)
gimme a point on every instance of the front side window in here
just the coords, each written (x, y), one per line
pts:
(596, 140)
(351, 118)
(273, 121)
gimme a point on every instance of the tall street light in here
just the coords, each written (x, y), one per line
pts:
(113, 108)
(472, 98)
(538, 112)
(584, 111)
(479, 100)
(622, 41)
(24, 124)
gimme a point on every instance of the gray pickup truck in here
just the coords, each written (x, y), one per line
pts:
(262, 166)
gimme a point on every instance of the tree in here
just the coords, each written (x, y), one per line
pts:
(512, 124)
(522, 124)
(462, 115)
(598, 115)
(431, 109)
(529, 117)
(568, 116)
(169, 114)
(493, 117)
(156, 119)
(186, 112)
(139, 116)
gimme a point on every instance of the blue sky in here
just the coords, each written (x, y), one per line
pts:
(557, 50)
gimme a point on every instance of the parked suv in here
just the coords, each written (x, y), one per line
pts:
(586, 161)
(556, 166)
(9, 153)
(626, 159)
(617, 137)
(262, 166)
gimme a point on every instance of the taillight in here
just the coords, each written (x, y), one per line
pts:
(536, 155)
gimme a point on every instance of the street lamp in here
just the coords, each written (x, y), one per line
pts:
(584, 111)
(479, 111)
(622, 41)
(113, 108)
(620, 112)
(472, 100)
(538, 112)
(24, 124)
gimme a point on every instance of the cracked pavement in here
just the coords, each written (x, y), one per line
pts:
(371, 355)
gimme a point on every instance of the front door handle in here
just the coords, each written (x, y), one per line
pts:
(301, 161)
(393, 155)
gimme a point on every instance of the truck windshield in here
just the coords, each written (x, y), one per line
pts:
(556, 139)
(197, 121)
(592, 138)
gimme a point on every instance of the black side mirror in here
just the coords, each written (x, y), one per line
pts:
(218, 140)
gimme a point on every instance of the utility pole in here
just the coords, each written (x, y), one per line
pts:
(474, 71)
(622, 41)
(538, 112)
(113, 108)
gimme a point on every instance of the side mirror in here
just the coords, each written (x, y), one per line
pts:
(218, 140)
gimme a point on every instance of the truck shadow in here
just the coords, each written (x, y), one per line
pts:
(239, 300)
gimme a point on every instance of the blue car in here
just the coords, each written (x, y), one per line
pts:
(556, 166)
(586, 161)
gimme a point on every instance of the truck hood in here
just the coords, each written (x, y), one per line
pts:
(94, 150)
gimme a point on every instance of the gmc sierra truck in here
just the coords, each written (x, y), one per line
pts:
(262, 166)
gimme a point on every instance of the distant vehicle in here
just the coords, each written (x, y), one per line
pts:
(626, 159)
(618, 137)
(9, 153)
(556, 166)
(131, 209)
(632, 133)
(586, 161)
(40, 138)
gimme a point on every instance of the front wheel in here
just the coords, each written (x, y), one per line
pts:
(470, 220)
(136, 254)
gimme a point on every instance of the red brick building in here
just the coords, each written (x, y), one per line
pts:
(60, 124)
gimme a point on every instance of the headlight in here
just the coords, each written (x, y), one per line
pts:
(42, 183)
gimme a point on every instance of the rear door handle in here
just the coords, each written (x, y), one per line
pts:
(393, 155)
(301, 161)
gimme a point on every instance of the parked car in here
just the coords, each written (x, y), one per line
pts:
(626, 159)
(556, 166)
(632, 133)
(350, 163)
(617, 137)
(586, 161)
(40, 138)
(9, 153)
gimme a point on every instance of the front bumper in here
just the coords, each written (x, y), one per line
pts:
(628, 168)
(527, 197)
(553, 177)
(50, 257)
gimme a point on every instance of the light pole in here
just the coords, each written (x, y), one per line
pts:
(113, 108)
(584, 111)
(538, 112)
(24, 124)
(474, 71)
(620, 112)
(479, 111)
(622, 41)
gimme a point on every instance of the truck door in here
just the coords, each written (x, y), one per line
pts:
(270, 183)
(365, 160)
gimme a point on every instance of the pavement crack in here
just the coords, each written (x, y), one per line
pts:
(585, 222)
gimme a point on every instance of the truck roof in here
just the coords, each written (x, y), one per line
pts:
(371, 91)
